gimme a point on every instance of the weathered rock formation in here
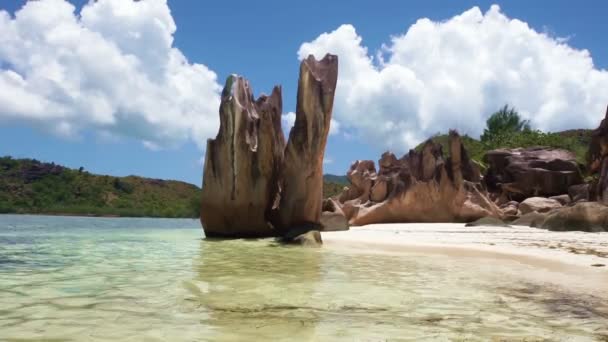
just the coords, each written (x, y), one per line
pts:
(532, 219)
(538, 204)
(584, 216)
(422, 186)
(302, 171)
(598, 160)
(579, 192)
(332, 217)
(242, 164)
(519, 173)
(253, 183)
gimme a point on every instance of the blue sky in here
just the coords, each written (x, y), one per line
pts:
(264, 40)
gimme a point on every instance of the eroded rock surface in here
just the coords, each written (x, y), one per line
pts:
(584, 216)
(422, 186)
(598, 160)
(538, 204)
(254, 184)
(242, 164)
(302, 170)
(520, 173)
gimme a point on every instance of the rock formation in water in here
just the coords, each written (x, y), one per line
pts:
(242, 164)
(519, 173)
(422, 186)
(302, 171)
(253, 184)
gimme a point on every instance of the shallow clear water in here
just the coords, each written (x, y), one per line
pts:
(69, 278)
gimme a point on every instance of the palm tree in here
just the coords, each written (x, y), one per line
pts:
(506, 120)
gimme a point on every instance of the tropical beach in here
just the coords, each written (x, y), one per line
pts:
(445, 179)
(71, 278)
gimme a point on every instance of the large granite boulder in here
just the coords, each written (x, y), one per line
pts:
(532, 219)
(422, 186)
(520, 173)
(302, 170)
(242, 164)
(583, 216)
(538, 204)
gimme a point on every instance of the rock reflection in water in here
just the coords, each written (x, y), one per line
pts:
(247, 288)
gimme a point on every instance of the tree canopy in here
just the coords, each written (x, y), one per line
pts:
(504, 121)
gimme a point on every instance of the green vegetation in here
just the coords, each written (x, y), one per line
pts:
(505, 129)
(504, 122)
(333, 185)
(30, 186)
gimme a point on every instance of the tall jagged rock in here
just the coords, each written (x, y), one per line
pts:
(302, 171)
(242, 164)
(422, 186)
(598, 160)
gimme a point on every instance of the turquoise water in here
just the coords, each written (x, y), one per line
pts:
(108, 279)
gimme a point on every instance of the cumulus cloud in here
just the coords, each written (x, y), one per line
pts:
(111, 68)
(455, 73)
(289, 119)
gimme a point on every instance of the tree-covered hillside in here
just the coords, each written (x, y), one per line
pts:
(31, 186)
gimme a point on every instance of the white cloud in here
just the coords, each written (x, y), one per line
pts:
(111, 68)
(455, 73)
(288, 119)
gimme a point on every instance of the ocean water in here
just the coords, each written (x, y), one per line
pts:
(110, 279)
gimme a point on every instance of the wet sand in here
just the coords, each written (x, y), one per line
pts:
(571, 259)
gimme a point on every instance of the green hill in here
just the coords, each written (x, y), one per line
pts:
(333, 185)
(329, 178)
(31, 186)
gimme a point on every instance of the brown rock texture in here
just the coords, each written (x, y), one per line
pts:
(332, 217)
(242, 164)
(519, 173)
(422, 186)
(538, 204)
(302, 170)
(255, 185)
(598, 160)
(583, 216)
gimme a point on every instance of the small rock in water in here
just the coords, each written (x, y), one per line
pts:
(304, 236)
(310, 239)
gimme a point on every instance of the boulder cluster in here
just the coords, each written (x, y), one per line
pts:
(254, 183)
(257, 184)
(421, 186)
(536, 186)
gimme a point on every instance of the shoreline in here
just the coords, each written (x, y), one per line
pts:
(94, 215)
(574, 259)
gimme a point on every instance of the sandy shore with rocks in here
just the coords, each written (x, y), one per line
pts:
(582, 256)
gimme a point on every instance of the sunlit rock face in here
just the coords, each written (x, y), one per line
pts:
(302, 172)
(520, 173)
(254, 184)
(242, 164)
(598, 160)
(422, 186)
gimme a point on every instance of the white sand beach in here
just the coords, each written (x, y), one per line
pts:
(582, 257)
